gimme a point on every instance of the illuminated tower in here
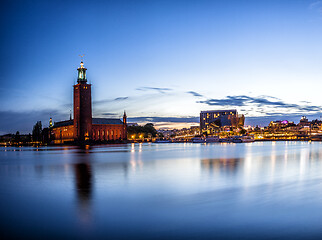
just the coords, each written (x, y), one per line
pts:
(51, 122)
(82, 106)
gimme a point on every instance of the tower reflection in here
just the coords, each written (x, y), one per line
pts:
(84, 191)
(83, 177)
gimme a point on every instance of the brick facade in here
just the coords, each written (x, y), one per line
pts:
(82, 112)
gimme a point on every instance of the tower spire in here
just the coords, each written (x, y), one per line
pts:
(124, 126)
(81, 71)
(50, 122)
(81, 56)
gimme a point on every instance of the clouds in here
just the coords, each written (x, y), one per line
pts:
(159, 105)
(264, 104)
(153, 99)
(103, 101)
(160, 90)
(265, 120)
(165, 119)
(120, 98)
(316, 6)
(228, 101)
(195, 94)
(10, 121)
(110, 115)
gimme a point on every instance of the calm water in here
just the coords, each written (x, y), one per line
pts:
(270, 190)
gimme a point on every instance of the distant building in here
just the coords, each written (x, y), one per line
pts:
(83, 127)
(210, 121)
(280, 124)
(304, 122)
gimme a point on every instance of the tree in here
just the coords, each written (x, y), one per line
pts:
(17, 137)
(142, 130)
(37, 132)
(149, 128)
(242, 131)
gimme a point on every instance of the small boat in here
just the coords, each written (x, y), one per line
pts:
(205, 140)
(162, 141)
(316, 138)
(225, 140)
(212, 139)
(198, 140)
(243, 139)
(237, 140)
(248, 138)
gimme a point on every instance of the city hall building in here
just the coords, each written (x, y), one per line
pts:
(84, 127)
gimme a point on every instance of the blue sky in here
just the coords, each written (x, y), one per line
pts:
(162, 61)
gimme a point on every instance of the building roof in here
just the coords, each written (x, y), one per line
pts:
(220, 111)
(106, 121)
(64, 123)
(94, 121)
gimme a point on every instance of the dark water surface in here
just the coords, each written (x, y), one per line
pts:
(270, 190)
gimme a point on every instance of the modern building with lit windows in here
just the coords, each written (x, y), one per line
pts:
(211, 121)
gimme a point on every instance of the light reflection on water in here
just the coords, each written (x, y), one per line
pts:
(254, 190)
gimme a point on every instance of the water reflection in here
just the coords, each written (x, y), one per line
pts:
(136, 157)
(84, 188)
(146, 190)
(222, 165)
(83, 178)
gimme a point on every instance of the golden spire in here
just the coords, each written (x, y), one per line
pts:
(82, 64)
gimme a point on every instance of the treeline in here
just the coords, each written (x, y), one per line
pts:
(39, 136)
(145, 131)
